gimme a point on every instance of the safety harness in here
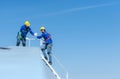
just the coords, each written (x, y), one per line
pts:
(48, 37)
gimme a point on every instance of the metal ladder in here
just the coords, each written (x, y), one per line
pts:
(46, 62)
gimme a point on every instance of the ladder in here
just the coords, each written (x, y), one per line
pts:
(46, 62)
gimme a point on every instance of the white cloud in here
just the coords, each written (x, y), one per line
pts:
(78, 9)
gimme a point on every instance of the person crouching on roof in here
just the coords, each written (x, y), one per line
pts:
(21, 36)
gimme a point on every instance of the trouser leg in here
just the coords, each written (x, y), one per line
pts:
(49, 49)
(18, 42)
(43, 48)
(24, 42)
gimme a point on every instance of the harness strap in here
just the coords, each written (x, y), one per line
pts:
(48, 37)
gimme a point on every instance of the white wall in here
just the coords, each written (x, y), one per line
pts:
(23, 63)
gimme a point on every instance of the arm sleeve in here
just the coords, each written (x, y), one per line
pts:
(39, 37)
(31, 32)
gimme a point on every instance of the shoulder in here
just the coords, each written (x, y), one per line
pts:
(46, 32)
(23, 26)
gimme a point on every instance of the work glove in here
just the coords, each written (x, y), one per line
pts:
(27, 38)
(35, 34)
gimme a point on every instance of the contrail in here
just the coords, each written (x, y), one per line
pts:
(78, 9)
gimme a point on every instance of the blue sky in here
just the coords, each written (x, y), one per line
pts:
(86, 33)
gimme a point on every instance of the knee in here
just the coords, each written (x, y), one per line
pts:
(48, 53)
(42, 49)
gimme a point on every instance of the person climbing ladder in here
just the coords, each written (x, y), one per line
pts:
(47, 44)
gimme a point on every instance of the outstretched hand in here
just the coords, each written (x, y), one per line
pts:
(35, 34)
(27, 38)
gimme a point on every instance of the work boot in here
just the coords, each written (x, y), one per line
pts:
(46, 58)
(50, 62)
